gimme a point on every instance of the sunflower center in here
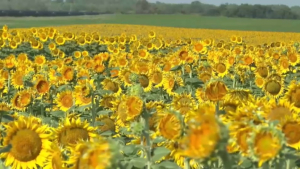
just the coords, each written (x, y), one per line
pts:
(221, 68)
(157, 77)
(72, 135)
(230, 107)
(267, 145)
(67, 100)
(263, 71)
(278, 113)
(42, 86)
(144, 81)
(205, 77)
(273, 87)
(26, 145)
(291, 132)
(68, 74)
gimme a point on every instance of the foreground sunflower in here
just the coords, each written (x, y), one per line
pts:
(91, 155)
(30, 143)
(71, 130)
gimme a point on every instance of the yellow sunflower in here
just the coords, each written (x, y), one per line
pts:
(65, 100)
(91, 155)
(30, 143)
(72, 130)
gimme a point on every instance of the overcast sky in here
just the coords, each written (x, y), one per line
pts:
(218, 2)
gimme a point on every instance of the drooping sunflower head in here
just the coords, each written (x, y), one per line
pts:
(25, 135)
(72, 130)
(216, 90)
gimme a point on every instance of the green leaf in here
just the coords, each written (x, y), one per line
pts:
(193, 81)
(63, 87)
(159, 153)
(104, 112)
(58, 113)
(139, 162)
(82, 78)
(168, 165)
(246, 163)
(107, 133)
(175, 68)
(129, 149)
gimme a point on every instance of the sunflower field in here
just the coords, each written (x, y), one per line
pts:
(88, 98)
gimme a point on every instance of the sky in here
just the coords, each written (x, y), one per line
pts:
(218, 2)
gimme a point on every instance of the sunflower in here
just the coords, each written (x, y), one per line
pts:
(30, 143)
(169, 125)
(68, 73)
(176, 155)
(183, 103)
(216, 90)
(202, 137)
(259, 81)
(21, 100)
(293, 95)
(199, 47)
(42, 86)
(112, 85)
(72, 130)
(60, 40)
(273, 88)
(10, 61)
(65, 100)
(221, 68)
(293, 58)
(106, 101)
(55, 160)
(91, 155)
(107, 123)
(126, 109)
(145, 82)
(289, 127)
(265, 144)
(278, 110)
(82, 93)
(169, 81)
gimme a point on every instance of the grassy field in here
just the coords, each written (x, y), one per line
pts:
(186, 21)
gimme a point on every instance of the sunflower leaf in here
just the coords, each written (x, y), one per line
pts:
(159, 153)
(168, 165)
(138, 162)
(104, 112)
(58, 113)
(175, 68)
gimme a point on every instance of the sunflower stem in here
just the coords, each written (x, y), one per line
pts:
(287, 164)
(93, 109)
(147, 137)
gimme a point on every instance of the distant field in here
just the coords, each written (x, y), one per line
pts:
(186, 21)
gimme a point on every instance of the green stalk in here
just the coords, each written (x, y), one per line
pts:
(187, 163)
(148, 140)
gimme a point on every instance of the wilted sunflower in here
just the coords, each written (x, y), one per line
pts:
(72, 130)
(30, 143)
(216, 90)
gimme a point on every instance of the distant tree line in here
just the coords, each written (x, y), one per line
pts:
(144, 7)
